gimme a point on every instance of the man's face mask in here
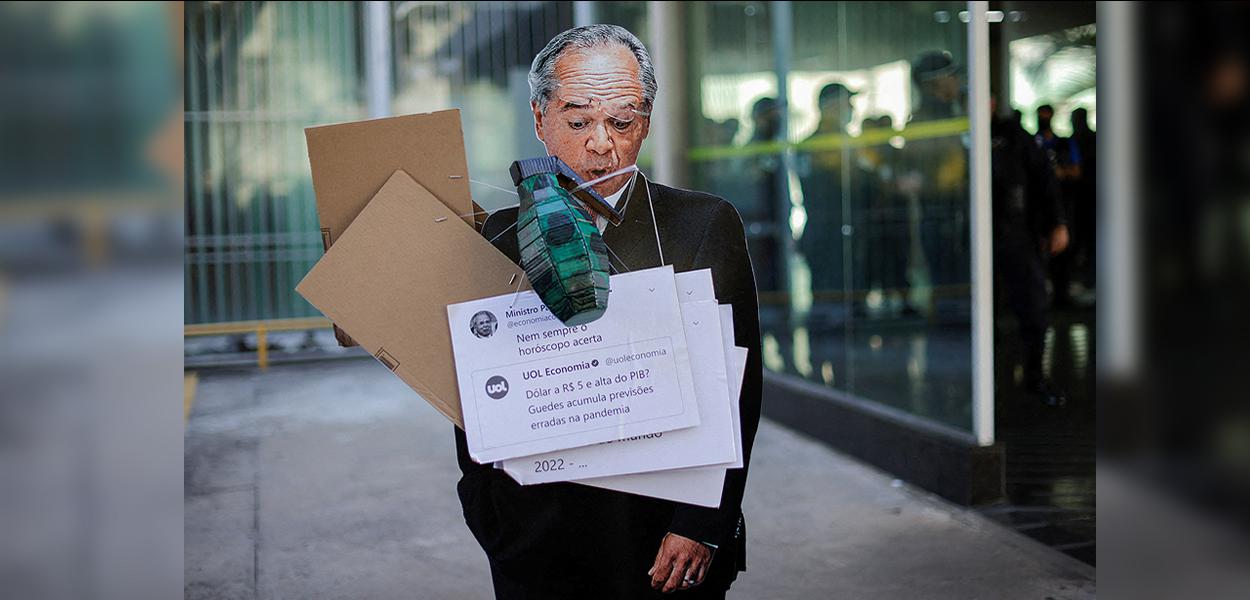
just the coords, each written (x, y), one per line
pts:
(561, 249)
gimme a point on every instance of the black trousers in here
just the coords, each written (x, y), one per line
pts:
(1022, 275)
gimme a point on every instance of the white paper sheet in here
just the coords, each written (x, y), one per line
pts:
(530, 385)
(695, 286)
(701, 486)
(712, 442)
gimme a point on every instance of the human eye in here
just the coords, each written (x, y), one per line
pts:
(621, 125)
(577, 124)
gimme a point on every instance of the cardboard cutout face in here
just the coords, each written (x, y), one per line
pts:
(596, 120)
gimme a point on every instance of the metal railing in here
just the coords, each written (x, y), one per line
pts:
(256, 75)
(261, 329)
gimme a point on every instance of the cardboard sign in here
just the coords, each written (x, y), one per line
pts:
(390, 276)
(351, 161)
(529, 384)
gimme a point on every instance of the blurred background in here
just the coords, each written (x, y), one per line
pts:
(154, 163)
(90, 299)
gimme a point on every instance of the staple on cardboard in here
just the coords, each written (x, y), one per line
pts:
(386, 359)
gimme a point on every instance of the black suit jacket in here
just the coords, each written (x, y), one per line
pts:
(563, 536)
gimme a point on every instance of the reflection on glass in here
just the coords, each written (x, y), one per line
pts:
(916, 362)
(1079, 337)
(772, 353)
(802, 352)
(1048, 355)
(853, 188)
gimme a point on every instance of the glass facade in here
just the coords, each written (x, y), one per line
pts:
(258, 73)
(839, 130)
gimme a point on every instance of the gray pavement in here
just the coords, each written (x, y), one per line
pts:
(334, 480)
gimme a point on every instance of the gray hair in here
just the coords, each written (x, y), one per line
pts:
(542, 75)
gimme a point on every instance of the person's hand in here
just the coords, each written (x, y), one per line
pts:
(681, 563)
(1058, 240)
(344, 340)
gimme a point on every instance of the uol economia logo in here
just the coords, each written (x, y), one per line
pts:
(497, 387)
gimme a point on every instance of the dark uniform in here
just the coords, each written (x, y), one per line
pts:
(1083, 216)
(880, 217)
(1062, 153)
(1027, 207)
(942, 164)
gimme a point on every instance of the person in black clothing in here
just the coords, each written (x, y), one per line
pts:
(765, 209)
(937, 75)
(936, 171)
(820, 175)
(1085, 200)
(592, 89)
(1028, 223)
(881, 235)
(1065, 159)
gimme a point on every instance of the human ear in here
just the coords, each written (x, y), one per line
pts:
(538, 122)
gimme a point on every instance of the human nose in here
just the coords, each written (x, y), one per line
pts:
(600, 142)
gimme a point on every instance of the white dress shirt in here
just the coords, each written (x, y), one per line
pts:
(614, 200)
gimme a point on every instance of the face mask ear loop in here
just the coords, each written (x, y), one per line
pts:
(494, 187)
(658, 247)
(629, 193)
(598, 180)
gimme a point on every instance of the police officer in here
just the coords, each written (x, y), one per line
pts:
(1029, 224)
(820, 174)
(936, 170)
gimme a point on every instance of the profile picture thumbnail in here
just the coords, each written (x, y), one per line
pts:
(483, 324)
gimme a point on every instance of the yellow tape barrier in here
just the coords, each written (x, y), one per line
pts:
(825, 143)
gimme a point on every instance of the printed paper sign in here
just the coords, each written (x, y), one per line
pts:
(701, 486)
(530, 385)
(712, 442)
(694, 286)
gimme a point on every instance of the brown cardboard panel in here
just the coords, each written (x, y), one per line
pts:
(389, 278)
(351, 161)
